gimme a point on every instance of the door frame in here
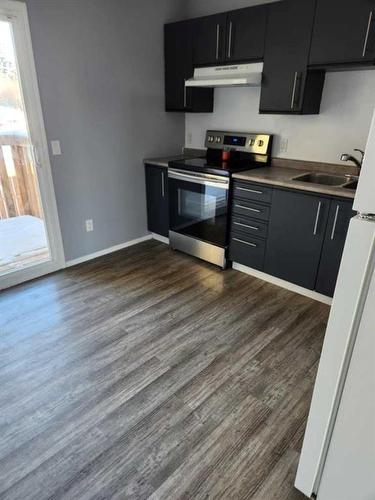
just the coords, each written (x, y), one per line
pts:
(16, 12)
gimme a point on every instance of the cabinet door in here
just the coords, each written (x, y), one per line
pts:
(157, 199)
(338, 223)
(246, 34)
(178, 68)
(209, 40)
(344, 32)
(295, 236)
(287, 85)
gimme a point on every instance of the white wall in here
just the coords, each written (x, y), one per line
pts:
(343, 124)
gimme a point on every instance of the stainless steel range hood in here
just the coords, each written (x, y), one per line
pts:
(240, 75)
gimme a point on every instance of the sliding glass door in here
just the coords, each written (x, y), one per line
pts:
(30, 241)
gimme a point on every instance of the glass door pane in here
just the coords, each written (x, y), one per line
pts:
(23, 235)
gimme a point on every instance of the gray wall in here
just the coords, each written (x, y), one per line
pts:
(197, 8)
(100, 72)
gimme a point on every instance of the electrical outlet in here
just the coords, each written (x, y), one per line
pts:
(284, 143)
(189, 138)
(89, 225)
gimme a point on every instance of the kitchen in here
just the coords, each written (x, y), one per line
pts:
(203, 329)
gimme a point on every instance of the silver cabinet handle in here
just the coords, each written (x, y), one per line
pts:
(162, 185)
(217, 40)
(335, 222)
(245, 242)
(246, 225)
(185, 95)
(367, 33)
(247, 208)
(250, 190)
(294, 90)
(230, 40)
(317, 218)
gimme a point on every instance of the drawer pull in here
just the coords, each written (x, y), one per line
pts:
(250, 190)
(250, 209)
(245, 242)
(246, 225)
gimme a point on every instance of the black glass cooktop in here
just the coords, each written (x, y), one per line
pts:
(216, 167)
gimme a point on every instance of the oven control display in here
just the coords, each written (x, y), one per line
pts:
(234, 140)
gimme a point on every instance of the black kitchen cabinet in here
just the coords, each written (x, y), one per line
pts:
(340, 213)
(288, 86)
(344, 32)
(209, 40)
(246, 34)
(157, 199)
(178, 50)
(295, 236)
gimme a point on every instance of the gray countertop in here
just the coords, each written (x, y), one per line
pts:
(280, 176)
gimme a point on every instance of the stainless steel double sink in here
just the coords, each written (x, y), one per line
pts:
(328, 180)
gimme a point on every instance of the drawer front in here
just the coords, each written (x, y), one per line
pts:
(247, 251)
(250, 227)
(252, 192)
(251, 209)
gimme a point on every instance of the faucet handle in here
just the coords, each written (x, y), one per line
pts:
(360, 151)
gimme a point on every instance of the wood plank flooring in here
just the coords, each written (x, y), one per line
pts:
(150, 374)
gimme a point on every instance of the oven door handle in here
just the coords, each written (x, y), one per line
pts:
(205, 180)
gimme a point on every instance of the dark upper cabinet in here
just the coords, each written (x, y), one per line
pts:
(157, 199)
(295, 236)
(209, 39)
(344, 32)
(178, 53)
(341, 211)
(288, 86)
(246, 34)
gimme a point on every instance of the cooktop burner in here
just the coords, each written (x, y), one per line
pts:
(230, 152)
(218, 167)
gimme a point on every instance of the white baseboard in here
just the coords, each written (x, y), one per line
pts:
(158, 237)
(282, 283)
(106, 251)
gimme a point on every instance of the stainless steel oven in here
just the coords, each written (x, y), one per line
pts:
(198, 214)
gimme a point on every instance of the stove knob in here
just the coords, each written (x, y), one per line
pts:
(210, 138)
(260, 143)
(218, 140)
(251, 142)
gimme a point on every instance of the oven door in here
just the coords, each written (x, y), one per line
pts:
(198, 206)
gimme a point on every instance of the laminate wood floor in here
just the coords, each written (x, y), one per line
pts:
(149, 374)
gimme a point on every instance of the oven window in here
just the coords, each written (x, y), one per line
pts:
(199, 211)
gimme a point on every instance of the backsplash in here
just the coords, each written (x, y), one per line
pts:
(342, 125)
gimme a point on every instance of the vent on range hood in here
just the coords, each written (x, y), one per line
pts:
(240, 75)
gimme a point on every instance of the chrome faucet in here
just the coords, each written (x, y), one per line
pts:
(347, 157)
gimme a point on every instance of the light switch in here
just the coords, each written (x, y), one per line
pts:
(56, 148)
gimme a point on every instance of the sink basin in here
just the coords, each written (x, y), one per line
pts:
(324, 179)
(351, 185)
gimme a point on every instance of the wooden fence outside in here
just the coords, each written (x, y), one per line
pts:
(19, 194)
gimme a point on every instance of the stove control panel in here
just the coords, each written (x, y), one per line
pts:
(247, 142)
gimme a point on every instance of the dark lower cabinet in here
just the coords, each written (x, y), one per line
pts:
(178, 53)
(157, 199)
(295, 236)
(288, 86)
(340, 213)
(344, 32)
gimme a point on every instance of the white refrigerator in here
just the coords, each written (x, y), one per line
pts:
(338, 455)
